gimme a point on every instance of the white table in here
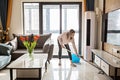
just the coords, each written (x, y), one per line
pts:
(24, 63)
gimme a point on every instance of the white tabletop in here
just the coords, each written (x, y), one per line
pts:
(25, 62)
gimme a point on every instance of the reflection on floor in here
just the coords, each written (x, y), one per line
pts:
(83, 71)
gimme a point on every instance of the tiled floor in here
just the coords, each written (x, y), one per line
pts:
(83, 71)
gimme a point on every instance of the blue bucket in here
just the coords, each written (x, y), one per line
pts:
(75, 58)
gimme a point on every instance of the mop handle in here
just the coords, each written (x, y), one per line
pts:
(72, 52)
(68, 50)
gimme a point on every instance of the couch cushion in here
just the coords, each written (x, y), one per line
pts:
(13, 43)
(5, 49)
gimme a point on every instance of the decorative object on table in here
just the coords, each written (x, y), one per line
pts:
(30, 44)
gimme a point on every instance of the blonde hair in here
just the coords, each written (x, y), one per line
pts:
(71, 31)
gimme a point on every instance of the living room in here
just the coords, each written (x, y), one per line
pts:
(38, 23)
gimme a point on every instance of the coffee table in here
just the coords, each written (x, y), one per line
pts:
(25, 63)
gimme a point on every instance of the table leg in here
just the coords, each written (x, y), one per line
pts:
(11, 74)
(40, 73)
(115, 75)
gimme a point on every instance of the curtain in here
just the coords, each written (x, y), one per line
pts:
(84, 5)
(3, 12)
(9, 13)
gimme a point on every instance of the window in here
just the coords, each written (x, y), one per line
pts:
(55, 18)
(31, 18)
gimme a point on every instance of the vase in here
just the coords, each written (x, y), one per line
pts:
(30, 54)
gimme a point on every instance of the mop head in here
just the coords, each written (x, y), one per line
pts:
(75, 58)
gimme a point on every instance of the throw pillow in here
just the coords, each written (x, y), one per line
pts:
(43, 38)
(8, 43)
(5, 49)
(19, 42)
(14, 43)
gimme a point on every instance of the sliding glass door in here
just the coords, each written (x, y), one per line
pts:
(55, 18)
(51, 20)
(51, 23)
(58, 18)
(31, 19)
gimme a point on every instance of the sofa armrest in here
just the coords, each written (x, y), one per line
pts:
(48, 48)
(50, 53)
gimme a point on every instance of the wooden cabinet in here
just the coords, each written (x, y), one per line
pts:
(105, 67)
(97, 60)
(107, 62)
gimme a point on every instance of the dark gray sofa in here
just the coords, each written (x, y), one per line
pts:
(44, 45)
(5, 56)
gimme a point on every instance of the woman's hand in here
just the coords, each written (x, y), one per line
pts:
(78, 55)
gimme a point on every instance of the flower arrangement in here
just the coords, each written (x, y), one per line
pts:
(30, 45)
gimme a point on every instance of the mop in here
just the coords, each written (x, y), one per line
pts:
(75, 58)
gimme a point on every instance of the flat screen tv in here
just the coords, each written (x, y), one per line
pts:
(113, 27)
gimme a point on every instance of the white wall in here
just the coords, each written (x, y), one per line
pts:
(16, 24)
(99, 6)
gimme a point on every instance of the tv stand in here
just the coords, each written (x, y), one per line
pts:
(107, 62)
